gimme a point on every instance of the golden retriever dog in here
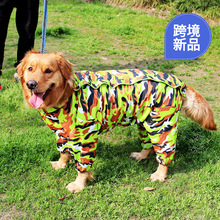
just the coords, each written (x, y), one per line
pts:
(78, 106)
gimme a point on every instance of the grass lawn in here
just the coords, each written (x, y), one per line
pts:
(94, 36)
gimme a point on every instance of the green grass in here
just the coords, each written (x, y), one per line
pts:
(97, 37)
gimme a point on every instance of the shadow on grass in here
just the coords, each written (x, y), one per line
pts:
(57, 32)
(196, 147)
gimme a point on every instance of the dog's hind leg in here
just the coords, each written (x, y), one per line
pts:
(143, 154)
(145, 143)
(80, 183)
(162, 124)
(160, 174)
(62, 162)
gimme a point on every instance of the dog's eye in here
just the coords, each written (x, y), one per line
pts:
(48, 71)
(30, 68)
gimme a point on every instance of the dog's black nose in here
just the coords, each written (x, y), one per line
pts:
(31, 84)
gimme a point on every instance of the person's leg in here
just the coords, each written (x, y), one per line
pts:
(6, 8)
(26, 21)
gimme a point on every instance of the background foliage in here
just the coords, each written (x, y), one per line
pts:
(210, 9)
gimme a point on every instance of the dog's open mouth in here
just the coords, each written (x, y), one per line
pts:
(37, 99)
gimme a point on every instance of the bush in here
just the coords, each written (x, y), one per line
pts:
(210, 8)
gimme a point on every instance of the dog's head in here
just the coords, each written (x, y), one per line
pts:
(46, 79)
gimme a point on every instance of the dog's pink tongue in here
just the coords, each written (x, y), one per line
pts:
(36, 100)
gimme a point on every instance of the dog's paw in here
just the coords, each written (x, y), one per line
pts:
(155, 176)
(143, 154)
(137, 156)
(57, 165)
(74, 187)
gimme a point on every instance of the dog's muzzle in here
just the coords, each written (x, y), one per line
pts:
(31, 84)
(37, 98)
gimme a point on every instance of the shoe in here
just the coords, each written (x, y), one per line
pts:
(16, 77)
(15, 64)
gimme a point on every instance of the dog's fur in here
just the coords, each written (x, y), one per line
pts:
(53, 73)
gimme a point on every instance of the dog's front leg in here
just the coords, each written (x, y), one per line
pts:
(80, 182)
(160, 174)
(62, 162)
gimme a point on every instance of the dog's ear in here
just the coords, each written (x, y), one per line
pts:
(64, 65)
(22, 64)
(20, 69)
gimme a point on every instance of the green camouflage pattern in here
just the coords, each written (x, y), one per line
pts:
(101, 100)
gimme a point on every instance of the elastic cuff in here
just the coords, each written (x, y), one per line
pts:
(146, 145)
(161, 159)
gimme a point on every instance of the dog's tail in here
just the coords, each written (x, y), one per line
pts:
(198, 109)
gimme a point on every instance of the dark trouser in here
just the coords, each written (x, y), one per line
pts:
(26, 22)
